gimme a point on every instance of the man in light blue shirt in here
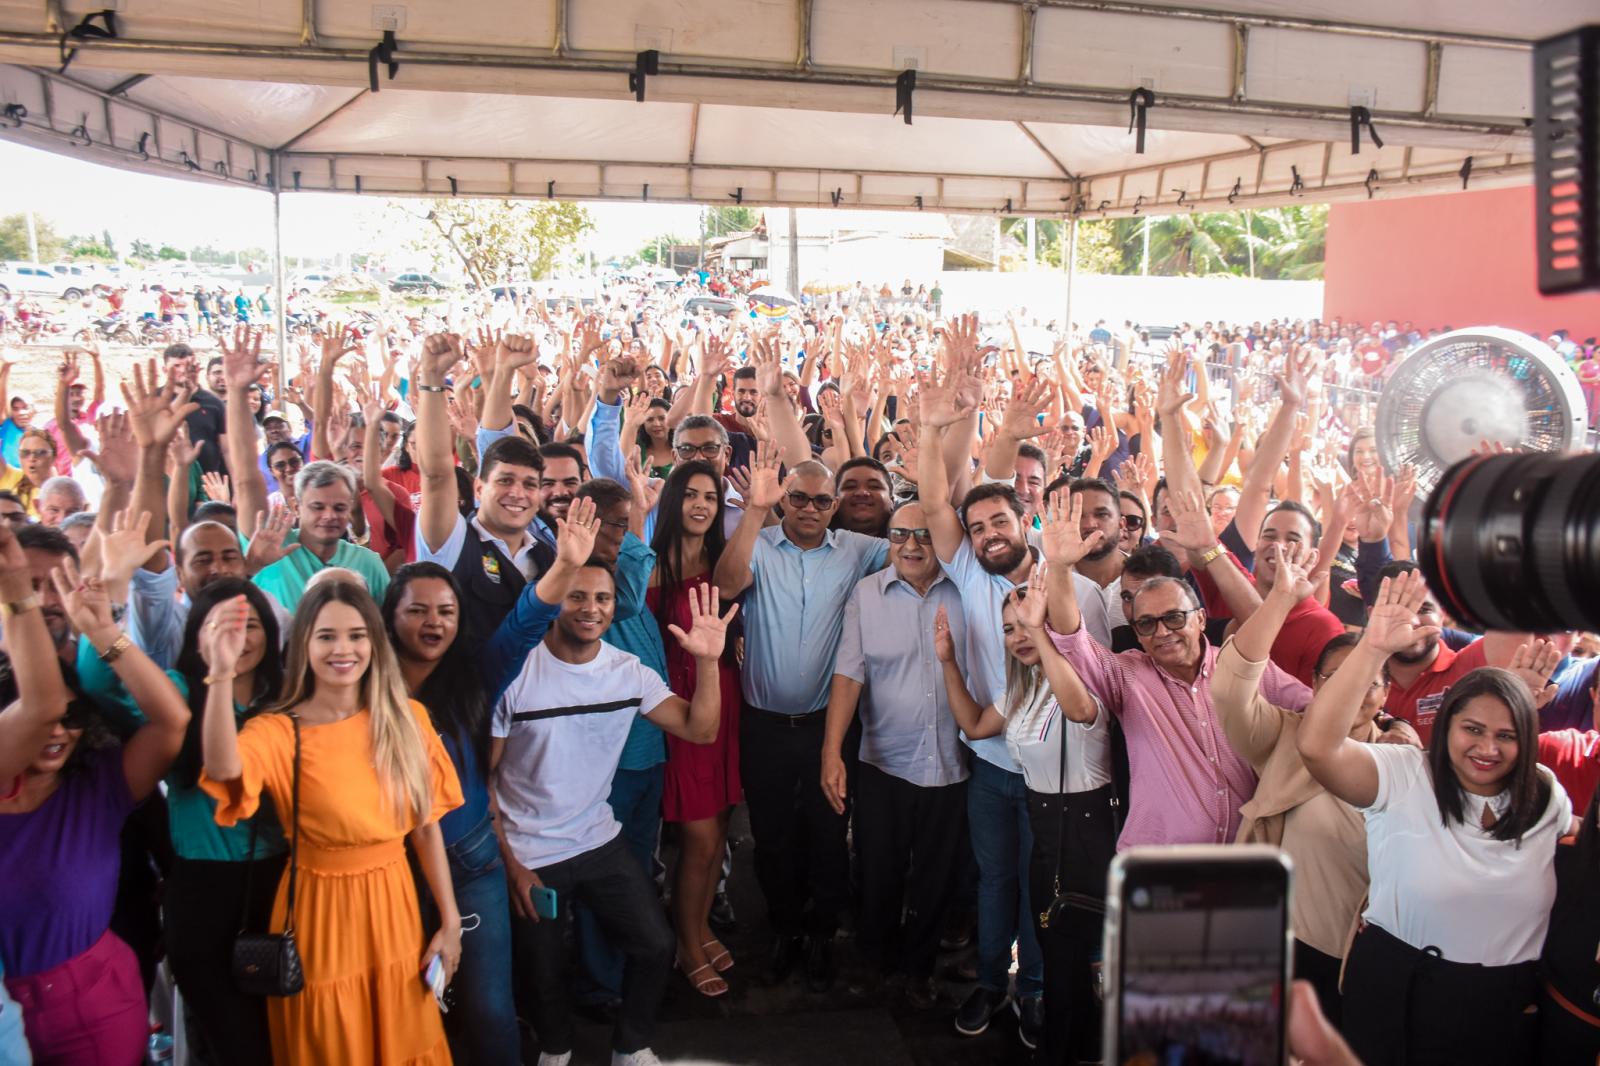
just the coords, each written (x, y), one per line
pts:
(799, 576)
(909, 792)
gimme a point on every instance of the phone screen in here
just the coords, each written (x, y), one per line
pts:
(1202, 966)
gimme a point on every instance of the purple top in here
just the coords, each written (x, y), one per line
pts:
(61, 864)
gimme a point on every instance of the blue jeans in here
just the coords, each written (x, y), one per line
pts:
(1002, 842)
(636, 802)
(482, 1023)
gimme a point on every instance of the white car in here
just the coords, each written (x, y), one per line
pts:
(34, 279)
(309, 282)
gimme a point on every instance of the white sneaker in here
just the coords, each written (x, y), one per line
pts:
(643, 1057)
(547, 1059)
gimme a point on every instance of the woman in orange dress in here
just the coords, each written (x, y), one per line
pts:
(373, 772)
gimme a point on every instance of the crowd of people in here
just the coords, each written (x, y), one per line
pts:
(401, 654)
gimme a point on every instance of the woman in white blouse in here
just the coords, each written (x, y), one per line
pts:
(1460, 843)
(1075, 822)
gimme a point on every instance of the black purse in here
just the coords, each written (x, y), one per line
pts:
(268, 964)
(1093, 904)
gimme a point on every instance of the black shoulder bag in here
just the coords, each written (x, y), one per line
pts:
(1094, 904)
(268, 964)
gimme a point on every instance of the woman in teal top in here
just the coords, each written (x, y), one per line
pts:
(205, 901)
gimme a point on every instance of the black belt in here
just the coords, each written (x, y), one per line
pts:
(793, 721)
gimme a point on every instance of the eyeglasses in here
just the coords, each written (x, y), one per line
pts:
(1132, 522)
(897, 535)
(1378, 684)
(35, 453)
(1173, 620)
(704, 451)
(799, 500)
(288, 464)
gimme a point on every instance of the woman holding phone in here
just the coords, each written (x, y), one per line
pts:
(371, 773)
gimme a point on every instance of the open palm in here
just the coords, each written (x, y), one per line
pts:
(707, 634)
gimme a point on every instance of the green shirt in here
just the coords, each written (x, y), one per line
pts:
(191, 814)
(286, 579)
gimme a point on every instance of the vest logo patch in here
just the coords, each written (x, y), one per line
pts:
(491, 567)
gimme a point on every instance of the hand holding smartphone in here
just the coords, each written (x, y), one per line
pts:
(544, 901)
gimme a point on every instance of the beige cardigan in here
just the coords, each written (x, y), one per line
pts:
(1329, 888)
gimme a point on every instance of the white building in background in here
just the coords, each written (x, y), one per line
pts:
(837, 249)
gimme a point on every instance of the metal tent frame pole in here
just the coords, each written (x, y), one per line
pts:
(1072, 273)
(279, 304)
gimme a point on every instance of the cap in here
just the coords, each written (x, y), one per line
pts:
(270, 415)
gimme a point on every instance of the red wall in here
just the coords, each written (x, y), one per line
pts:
(1462, 259)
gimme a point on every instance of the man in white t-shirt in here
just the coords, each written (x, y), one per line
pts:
(558, 733)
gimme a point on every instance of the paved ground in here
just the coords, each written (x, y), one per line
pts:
(786, 1025)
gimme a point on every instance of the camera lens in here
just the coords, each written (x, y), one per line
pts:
(1512, 542)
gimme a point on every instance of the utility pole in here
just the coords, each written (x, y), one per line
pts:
(794, 254)
(33, 239)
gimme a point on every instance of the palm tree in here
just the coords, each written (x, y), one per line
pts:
(1291, 241)
(1195, 243)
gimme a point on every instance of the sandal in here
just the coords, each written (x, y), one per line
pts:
(704, 985)
(721, 960)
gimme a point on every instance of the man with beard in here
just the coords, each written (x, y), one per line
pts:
(985, 552)
(865, 502)
(207, 421)
(1097, 574)
(799, 575)
(563, 472)
(746, 402)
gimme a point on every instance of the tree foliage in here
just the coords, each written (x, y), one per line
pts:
(1282, 243)
(658, 249)
(497, 240)
(81, 247)
(14, 239)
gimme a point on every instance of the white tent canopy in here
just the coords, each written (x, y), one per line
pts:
(1019, 106)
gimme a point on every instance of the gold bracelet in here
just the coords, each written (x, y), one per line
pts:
(1212, 554)
(16, 607)
(216, 679)
(118, 646)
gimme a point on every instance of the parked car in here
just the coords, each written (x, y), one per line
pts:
(34, 279)
(91, 276)
(424, 283)
(309, 282)
(715, 304)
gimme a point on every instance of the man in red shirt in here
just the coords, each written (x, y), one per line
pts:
(1573, 755)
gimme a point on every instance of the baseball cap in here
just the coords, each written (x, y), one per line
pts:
(279, 415)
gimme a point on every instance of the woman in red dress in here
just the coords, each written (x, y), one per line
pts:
(702, 780)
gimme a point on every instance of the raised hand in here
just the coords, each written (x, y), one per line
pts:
(69, 368)
(575, 534)
(155, 410)
(1193, 532)
(1374, 515)
(633, 417)
(84, 598)
(181, 451)
(1062, 533)
(1172, 396)
(1405, 489)
(645, 490)
(1292, 582)
(1393, 625)
(1294, 376)
(118, 457)
(515, 351)
(708, 633)
(440, 354)
(1028, 401)
(738, 478)
(944, 645)
(764, 490)
(241, 361)
(216, 487)
(1030, 600)
(123, 549)
(1534, 663)
(336, 344)
(268, 545)
(1102, 442)
(765, 357)
(617, 374)
(222, 635)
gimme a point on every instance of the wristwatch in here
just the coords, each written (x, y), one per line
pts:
(27, 603)
(1212, 554)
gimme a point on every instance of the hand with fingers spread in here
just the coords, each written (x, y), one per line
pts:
(1172, 395)
(241, 360)
(738, 478)
(707, 634)
(1394, 623)
(1102, 444)
(118, 456)
(765, 357)
(182, 453)
(1292, 381)
(1028, 402)
(1404, 489)
(216, 487)
(269, 544)
(1030, 600)
(1193, 533)
(154, 409)
(1374, 515)
(84, 598)
(1062, 537)
(1534, 662)
(1291, 579)
(764, 489)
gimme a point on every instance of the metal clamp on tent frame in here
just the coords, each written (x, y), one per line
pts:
(645, 64)
(1140, 101)
(905, 86)
(1360, 116)
(382, 52)
(87, 30)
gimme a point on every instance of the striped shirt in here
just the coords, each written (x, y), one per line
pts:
(564, 726)
(1186, 784)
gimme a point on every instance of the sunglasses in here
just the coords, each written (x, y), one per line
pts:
(1173, 620)
(1132, 522)
(704, 451)
(35, 453)
(897, 535)
(799, 501)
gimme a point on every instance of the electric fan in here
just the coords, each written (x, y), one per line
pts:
(1474, 385)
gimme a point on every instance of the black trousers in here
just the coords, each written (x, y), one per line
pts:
(613, 886)
(1323, 973)
(1084, 825)
(1407, 1006)
(907, 838)
(201, 912)
(801, 854)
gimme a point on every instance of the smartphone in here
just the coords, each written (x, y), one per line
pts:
(433, 977)
(544, 901)
(1197, 956)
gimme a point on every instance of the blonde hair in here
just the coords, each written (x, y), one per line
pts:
(1026, 688)
(397, 748)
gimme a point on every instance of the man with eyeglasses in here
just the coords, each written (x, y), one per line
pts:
(1187, 783)
(799, 575)
(910, 786)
